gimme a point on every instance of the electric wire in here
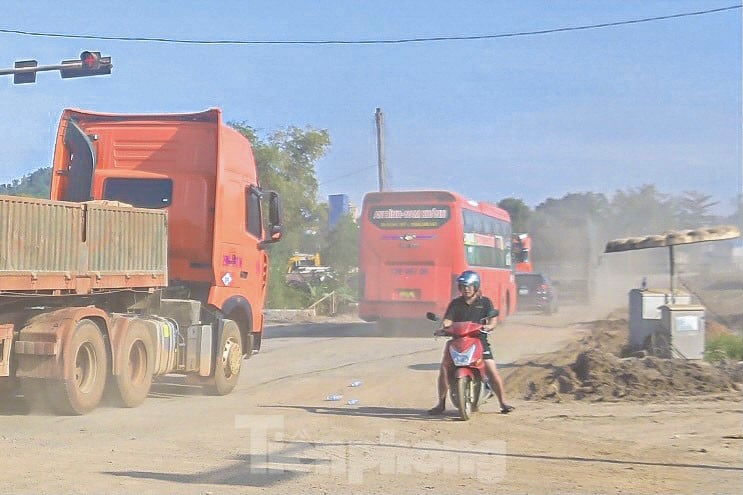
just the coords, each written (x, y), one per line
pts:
(372, 41)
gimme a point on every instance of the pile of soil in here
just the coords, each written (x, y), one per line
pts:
(595, 368)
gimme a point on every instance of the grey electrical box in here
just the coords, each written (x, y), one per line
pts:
(645, 313)
(682, 331)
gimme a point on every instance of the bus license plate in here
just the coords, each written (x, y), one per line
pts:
(408, 294)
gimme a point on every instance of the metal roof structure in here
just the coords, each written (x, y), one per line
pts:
(673, 238)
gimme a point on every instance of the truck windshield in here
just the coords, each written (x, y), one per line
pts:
(143, 193)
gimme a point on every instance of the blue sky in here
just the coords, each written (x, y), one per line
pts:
(530, 117)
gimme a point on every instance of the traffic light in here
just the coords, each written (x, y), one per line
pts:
(89, 64)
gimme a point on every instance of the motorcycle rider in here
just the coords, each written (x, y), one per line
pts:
(471, 305)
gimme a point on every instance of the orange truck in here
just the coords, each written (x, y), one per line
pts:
(148, 259)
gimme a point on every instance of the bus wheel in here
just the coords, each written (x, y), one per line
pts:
(84, 368)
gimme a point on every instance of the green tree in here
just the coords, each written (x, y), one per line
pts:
(567, 230)
(280, 295)
(34, 185)
(342, 248)
(342, 255)
(286, 164)
(642, 211)
(519, 211)
(576, 205)
(694, 210)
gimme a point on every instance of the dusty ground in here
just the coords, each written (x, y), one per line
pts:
(277, 433)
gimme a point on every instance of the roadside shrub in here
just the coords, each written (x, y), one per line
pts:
(724, 346)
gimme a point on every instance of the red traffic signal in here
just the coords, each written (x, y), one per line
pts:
(89, 64)
(90, 60)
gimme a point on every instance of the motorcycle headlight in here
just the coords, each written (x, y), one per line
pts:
(462, 358)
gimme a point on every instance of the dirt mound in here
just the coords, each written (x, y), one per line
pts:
(594, 369)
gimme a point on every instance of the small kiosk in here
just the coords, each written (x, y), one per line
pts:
(665, 322)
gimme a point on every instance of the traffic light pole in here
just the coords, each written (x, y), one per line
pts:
(89, 64)
(41, 68)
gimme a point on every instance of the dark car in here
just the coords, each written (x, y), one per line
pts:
(536, 292)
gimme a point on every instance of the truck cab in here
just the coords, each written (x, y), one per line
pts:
(203, 173)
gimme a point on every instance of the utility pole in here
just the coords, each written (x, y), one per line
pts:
(380, 149)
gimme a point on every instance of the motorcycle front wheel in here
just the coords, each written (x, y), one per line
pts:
(464, 397)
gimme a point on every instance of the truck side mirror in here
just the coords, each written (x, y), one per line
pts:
(276, 232)
(275, 229)
(274, 208)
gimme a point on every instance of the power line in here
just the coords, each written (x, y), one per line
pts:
(371, 41)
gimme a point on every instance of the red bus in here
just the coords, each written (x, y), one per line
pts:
(414, 244)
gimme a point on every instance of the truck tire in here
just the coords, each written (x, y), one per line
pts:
(227, 359)
(136, 358)
(84, 369)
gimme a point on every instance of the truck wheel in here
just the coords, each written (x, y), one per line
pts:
(228, 360)
(136, 362)
(84, 368)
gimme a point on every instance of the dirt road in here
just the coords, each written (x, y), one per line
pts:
(277, 433)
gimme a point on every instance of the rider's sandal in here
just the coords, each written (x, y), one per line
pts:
(506, 409)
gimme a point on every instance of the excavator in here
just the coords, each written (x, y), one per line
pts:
(305, 270)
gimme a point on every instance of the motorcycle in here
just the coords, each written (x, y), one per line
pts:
(469, 387)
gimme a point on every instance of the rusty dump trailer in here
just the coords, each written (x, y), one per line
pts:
(148, 259)
(59, 247)
(61, 264)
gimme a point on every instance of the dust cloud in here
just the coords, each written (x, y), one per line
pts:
(570, 236)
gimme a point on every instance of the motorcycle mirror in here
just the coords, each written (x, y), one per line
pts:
(432, 316)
